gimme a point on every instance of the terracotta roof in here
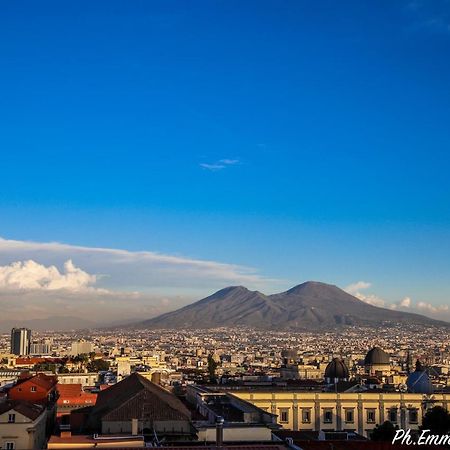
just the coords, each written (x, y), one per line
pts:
(47, 382)
(73, 395)
(27, 409)
(69, 390)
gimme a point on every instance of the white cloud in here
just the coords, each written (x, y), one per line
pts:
(406, 303)
(42, 280)
(29, 275)
(356, 288)
(429, 308)
(219, 165)
(131, 270)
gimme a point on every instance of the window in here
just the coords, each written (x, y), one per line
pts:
(370, 416)
(284, 415)
(349, 415)
(413, 416)
(328, 415)
(392, 415)
(33, 388)
(306, 415)
(11, 418)
(10, 445)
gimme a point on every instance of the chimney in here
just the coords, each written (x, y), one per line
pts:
(219, 431)
(134, 427)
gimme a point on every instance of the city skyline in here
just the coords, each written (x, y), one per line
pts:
(151, 155)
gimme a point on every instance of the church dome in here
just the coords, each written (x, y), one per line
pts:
(376, 356)
(419, 382)
(336, 368)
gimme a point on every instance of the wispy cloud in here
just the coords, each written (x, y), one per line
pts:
(219, 165)
(53, 278)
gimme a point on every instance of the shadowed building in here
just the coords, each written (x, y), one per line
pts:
(336, 371)
(377, 362)
(138, 406)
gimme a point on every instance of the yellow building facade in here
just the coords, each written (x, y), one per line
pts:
(358, 412)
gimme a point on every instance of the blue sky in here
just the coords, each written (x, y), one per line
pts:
(304, 139)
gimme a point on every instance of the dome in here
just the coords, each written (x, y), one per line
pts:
(419, 382)
(336, 369)
(376, 356)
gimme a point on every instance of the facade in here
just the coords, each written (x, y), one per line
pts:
(330, 411)
(80, 347)
(20, 341)
(40, 348)
(22, 425)
(39, 389)
(85, 379)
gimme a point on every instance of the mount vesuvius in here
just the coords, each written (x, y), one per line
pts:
(308, 306)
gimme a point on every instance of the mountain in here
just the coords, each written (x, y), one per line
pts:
(311, 305)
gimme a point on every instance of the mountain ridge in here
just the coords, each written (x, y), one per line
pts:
(307, 306)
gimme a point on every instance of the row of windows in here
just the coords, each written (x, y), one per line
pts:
(349, 415)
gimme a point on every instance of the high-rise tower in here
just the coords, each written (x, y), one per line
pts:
(20, 341)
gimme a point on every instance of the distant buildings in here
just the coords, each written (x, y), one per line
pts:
(80, 347)
(20, 341)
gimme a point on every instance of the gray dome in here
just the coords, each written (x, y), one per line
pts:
(419, 382)
(376, 356)
(336, 369)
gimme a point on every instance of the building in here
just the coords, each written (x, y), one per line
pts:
(137, 406)
(38, 389)
(358, 412)
(68, 441)
(22, 425)
(70, 397)
(336, 371)
(81, 347)
(20, 341)
(377, 362)
(40, 348)
(241, 420)
(88, 379)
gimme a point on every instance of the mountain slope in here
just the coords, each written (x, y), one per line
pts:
(310, 305)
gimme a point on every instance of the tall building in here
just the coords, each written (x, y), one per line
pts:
(20, 341)
(80, 347)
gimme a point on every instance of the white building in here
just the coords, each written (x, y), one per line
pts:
(22, 425)
(80, 347)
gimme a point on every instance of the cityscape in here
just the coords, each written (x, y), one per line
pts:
(278, 388)
(225, 224)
